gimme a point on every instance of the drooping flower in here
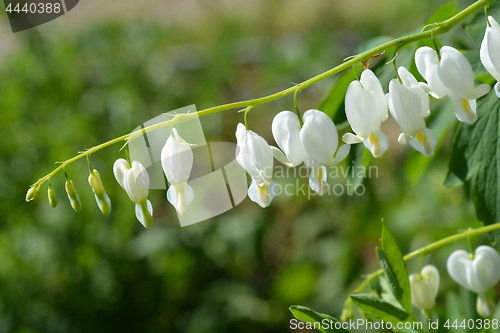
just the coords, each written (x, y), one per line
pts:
(255, 156)
(101, 197)
(177, 162)
(452, 76)
(73, 196)
(477, 273)
(135, 181)
(52, 196)
(424, 288)
(490, 51)
(409, 105)
(315, 144)
(366, 108)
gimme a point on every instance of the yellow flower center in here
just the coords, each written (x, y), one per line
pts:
(469, 113)
(374, 144)
(422, 140)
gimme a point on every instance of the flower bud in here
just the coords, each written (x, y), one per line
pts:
(101, 196)
(424, 288)
(52, 196)
(32, 193)
(73, 197)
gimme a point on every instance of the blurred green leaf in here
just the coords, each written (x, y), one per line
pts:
(476, 157)
(391, 260)
(475, 26)
(379, 308)
(444, 12)
(359, 159)
(454, 309)
(310, 316)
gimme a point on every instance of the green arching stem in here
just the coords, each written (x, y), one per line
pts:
(301, 122)
(428, 249)
(90, 166)
(127, 155)
(486, 14)
(245, 116)
(397, 43)
(395, 66)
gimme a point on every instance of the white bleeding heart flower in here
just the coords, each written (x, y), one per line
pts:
(409, 105)
(101, 197)
(315, 144)
(255, 156)
(366, 108)
(424, 288)
(490, 51)
(177, 163)
(453, 77)
(477, 273)
(135, 181)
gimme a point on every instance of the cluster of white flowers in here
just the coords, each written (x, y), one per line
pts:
(315, 142)
(476, 272)
(177, 162)
(313, 139)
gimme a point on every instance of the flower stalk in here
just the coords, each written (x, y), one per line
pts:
(396, 44)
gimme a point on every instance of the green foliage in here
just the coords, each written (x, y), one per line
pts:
(395, 304)
(395, 268)
(443, 13)
(310, 316)
(359, 159)
(476, 159)
(379, 308)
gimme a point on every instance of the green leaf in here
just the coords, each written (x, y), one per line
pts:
(396, 289)
(379, 308)
(476, 24)
(310, 316)
(475, 158)
(395, 269)
(386, 292)
(443, 13)
(333, 105)
(359, 160)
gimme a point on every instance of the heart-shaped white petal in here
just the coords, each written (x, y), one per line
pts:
(177, 159)
(427, 63)
(120, 168)
(319, 136)
(286, 128)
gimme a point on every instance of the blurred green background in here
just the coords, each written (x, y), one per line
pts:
(95, 75)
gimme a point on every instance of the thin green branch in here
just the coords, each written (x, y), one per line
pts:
(398, 43)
